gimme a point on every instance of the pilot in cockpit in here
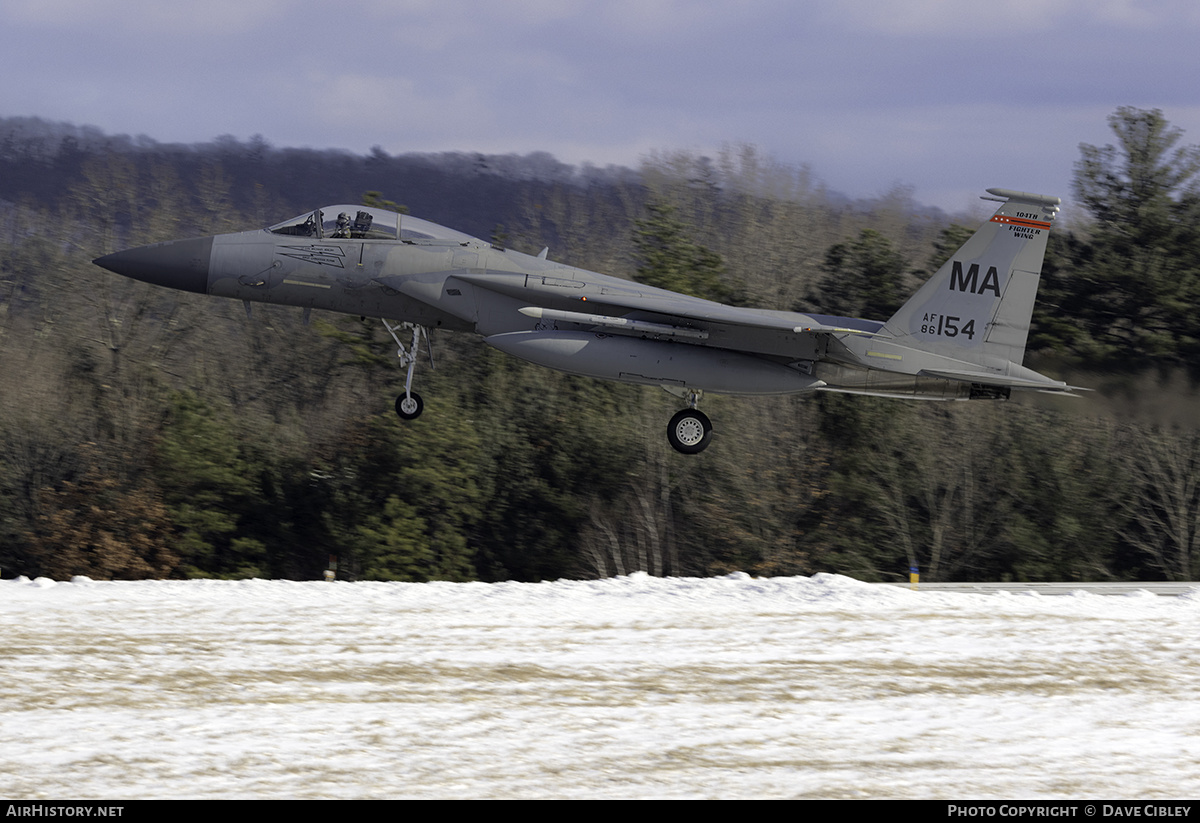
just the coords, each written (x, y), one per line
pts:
(342, 228)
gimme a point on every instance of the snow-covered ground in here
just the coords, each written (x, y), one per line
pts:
(629, 687)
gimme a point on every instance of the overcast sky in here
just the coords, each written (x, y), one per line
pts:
(946, 96)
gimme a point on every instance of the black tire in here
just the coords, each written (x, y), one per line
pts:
(689, 431)
(409, 406)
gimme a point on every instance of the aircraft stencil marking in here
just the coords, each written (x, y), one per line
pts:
(948, 325)
(319, 255)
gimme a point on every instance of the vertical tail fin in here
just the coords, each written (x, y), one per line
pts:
(978, 306)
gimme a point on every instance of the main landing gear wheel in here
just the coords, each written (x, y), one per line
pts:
(409, 406)
(689, 431)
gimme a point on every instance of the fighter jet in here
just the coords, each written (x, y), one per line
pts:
(961, 336)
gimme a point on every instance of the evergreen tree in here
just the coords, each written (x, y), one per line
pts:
(206, 485)
(863, 278)
(1134, 284)
(668, 259)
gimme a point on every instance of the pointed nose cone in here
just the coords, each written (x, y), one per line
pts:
(182, 264)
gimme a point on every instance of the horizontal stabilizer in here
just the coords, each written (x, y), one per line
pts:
(993, 379)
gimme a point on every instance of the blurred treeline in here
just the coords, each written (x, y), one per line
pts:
(151, 433)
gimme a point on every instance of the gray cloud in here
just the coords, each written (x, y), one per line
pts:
(945, 96)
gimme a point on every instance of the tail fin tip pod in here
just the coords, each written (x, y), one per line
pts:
(1028, 197)
(977, 307)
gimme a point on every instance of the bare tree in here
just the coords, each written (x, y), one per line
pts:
(936, 480)
(1163, 501)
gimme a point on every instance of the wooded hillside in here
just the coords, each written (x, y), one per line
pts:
(151, 433)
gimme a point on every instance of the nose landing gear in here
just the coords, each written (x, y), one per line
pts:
(409, 405)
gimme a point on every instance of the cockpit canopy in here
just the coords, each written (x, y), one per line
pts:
(367, 223)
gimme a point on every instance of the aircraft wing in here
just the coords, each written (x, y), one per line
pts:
(677, 310)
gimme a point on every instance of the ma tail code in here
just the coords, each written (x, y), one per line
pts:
(970, 281)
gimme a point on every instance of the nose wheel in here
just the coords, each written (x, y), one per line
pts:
(409, 406)
(689, 431)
